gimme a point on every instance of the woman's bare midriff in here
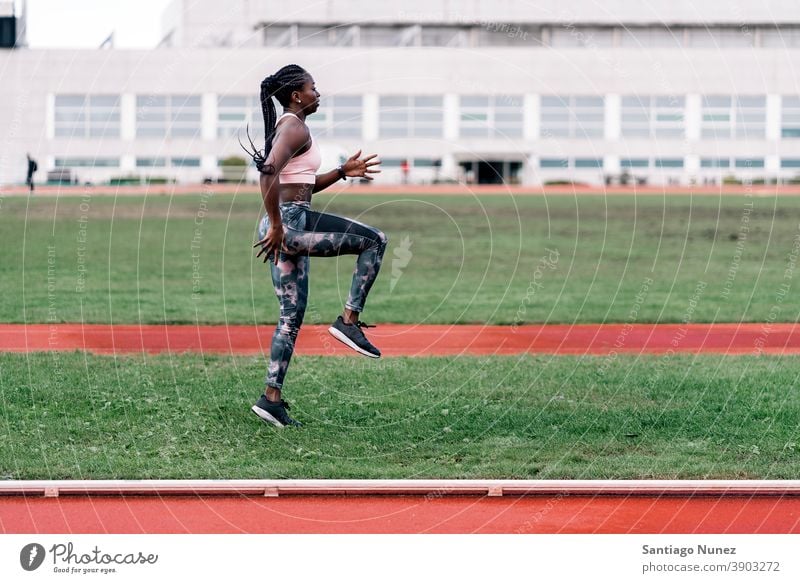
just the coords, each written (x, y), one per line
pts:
(295, 192)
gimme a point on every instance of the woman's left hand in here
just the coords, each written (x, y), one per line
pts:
(361, 168)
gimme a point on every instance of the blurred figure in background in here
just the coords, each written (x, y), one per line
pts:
(404, 169)
(32, 168)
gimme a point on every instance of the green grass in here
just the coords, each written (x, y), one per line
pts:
(472, 259)
(74, 415)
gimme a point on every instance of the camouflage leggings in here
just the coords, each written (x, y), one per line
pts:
(307, 234)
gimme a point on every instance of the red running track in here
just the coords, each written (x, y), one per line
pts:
(400, 515)
(413, 340)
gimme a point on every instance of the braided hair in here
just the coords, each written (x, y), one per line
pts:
(280, 85)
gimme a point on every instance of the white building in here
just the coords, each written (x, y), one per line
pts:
(577, 90)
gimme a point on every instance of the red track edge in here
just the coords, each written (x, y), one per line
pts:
(413, 340)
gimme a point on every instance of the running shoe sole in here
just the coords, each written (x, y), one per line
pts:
(265, 416)
(345, 340)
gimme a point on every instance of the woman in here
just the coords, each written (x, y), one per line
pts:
(291, 232)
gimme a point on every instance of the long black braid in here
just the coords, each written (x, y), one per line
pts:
(280, 85)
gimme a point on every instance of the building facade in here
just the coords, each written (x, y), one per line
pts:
(506, 91)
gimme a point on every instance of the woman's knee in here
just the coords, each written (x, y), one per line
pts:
(380, 237)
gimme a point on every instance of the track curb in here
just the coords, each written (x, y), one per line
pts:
(427, 488)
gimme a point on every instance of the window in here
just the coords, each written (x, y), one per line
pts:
(339, 116)
(87, 162)
(715, 163)
(651, 37)
(151, 162)
(569, 36)
(780, 38)
(327, 36)
(790, 117)
(495, 116)
(717, 120)
(721, 37)
(185, 162)
(391, 162)
(276, 35)
(427, 162)
(572, 117)
(634, 163)
(553, 163)
(751, 117)
(403, 116)
(380, 36)
(652, 117)
(669, 163)
(667, 117)
(168, 116)
(474, 116)
(749, 162)
(576, 163)
(726, 163)
(345, 35)
(87, 116)
(443, 36)
(162, 162)
(235, 113)
(635, 116)
(493, 34)
(726, 117)
(508, 116)
(314, 36)
(790, 163)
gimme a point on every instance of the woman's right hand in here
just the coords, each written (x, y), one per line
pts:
(271, 243)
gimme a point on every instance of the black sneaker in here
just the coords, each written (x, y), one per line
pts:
(274, 412)
(352, 335)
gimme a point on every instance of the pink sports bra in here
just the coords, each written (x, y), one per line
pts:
(301, 169)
